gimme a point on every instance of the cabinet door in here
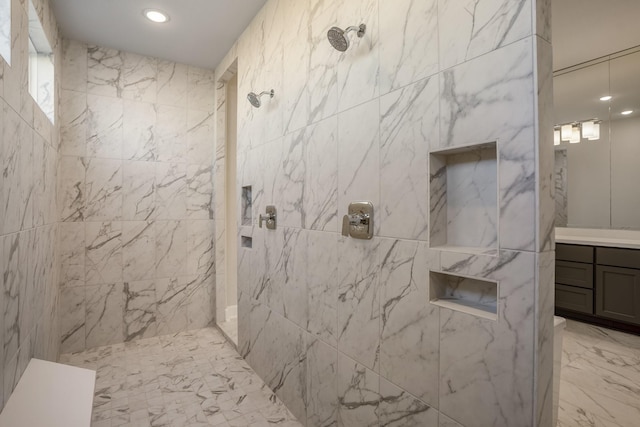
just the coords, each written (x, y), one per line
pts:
(618, 293)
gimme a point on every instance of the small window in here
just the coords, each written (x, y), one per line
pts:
(5, 30)
(41, 68)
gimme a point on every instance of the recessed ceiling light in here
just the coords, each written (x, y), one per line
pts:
(626, 113)
(606, 98)
(155, 15)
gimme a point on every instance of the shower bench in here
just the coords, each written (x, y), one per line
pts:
(51, 395)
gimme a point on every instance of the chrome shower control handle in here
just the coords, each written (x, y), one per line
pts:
(358, 223)
(269, 218)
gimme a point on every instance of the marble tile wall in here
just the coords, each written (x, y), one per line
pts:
(135, 197)
(29, 147)
(341, 329)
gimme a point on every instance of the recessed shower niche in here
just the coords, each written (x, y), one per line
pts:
(246, 205)
(464, 198)
(469, 295)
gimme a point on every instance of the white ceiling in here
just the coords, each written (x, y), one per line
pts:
(583, 30)
(199, 33)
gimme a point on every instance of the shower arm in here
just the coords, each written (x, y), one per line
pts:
(267, 92)
(359, 28)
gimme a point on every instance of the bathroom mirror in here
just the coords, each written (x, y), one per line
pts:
(598, 179)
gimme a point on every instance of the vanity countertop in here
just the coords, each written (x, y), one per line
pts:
(597, 237)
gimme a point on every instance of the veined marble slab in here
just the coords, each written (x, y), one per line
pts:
(599, 237)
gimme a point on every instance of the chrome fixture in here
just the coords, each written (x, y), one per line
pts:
(269, 218)
(358, 223)
(338, 37)
(255, 99)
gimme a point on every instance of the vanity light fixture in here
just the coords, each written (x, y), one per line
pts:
(565, 132)
(575, 135)
(626, 112)
(154, 15)
(588, 129)
(606, 98)
(596, 132)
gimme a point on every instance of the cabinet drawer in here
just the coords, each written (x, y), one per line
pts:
(575, 253)
(618, 293)
(574, 274)
(629, 258)
(576, 299)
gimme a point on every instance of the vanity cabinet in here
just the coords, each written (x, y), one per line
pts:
(599, 284)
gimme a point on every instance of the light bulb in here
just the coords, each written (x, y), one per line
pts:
(587, 129)
(565, 132)
(596, 132)
(575, 135)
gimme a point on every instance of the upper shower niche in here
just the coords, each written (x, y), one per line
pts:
(338, 37)
(464, 198)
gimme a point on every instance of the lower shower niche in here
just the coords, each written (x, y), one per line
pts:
(464, 199)
(468, 295)
(246, 242)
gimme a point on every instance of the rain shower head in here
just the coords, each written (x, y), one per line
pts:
(254, 98)
(338, 37)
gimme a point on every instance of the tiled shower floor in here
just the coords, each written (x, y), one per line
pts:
(197, 378)
(189, 379)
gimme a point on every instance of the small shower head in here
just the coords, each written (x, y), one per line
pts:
(338, 37)
(254, 98)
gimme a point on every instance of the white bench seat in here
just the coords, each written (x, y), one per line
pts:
(51, 395)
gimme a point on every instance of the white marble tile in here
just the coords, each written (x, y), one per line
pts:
(171, 191)
(104, 195)
(105, 127)
(11, 294)
(71, 248)
(171, 305)
(44, 168)
(322, 374)
(469, 29)
(200, 89)
(171, 134)
(408, 125)
(409, 326)
(171, 248)
(358, 300)
(74, 66)
(140, 310)
(290, 184)
(358, 394)
(399, 408)
(139, 77)
(138, 250)
(358, 67)
(73, 123)
(296, 60)
(200, 304)
(138, 192)
(408, 42)
(200, 247)
(200, 137)
(320, 197)
(71, 185)
(447, 422)
(105, 320)
(139, 134)
(103, 252)
(359, 156)
(474, 366)
(283, 286)
(72, 319)
(104, 71)
(322, 262)
(544, 333)
(200, 192)
(172, 83)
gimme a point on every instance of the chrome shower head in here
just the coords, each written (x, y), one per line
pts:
(338, 37)
(254, 98)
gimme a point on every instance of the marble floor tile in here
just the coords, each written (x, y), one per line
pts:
(188, 379)
(600, 377)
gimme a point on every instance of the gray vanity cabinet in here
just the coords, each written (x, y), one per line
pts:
(618, 284)
(574, 278)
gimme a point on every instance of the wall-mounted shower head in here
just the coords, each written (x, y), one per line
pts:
(338, 37)
(254, 98)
